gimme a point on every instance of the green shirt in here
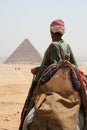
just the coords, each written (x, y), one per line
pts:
(55, 52)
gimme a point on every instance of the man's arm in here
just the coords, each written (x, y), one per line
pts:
(72, 58)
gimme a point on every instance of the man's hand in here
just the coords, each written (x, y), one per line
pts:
(34, 70)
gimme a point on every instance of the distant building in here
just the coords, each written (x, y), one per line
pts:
(24, 54)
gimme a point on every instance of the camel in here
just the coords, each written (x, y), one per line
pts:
(59, 100)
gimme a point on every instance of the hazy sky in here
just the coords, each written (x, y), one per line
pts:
(20, 19)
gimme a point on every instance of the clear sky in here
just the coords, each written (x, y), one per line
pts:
(20, 19)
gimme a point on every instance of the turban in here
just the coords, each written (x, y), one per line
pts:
(57, 26)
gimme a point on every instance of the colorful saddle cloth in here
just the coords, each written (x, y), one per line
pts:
(78, 78)
(59, 92)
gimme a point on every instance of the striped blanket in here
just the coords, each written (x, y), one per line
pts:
(78, 78)
(49, 99)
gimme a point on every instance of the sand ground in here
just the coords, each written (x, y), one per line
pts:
(15, 81)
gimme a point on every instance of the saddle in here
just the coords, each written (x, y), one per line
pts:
(59, 94)
(58, 101)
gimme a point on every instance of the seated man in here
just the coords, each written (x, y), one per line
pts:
(57, 50)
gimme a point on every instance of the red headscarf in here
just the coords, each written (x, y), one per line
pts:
(57, 26)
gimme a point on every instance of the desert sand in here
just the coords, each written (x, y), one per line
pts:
(15, 81)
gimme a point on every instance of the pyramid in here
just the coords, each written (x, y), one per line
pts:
(24, 54)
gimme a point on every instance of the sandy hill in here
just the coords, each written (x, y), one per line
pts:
(25, 53)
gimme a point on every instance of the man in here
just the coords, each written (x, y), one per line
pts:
(57, 50)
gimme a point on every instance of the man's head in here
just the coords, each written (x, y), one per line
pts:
(57, 29)
(57, 26)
